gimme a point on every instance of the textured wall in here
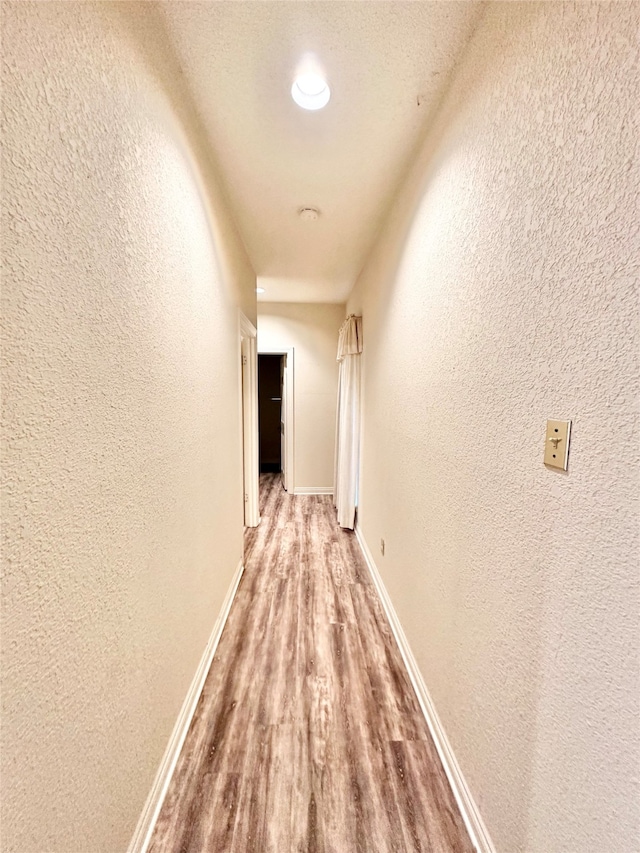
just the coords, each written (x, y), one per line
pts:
(122, 502)
(313, 332)
(502, 292)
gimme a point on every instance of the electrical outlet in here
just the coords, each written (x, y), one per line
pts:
(382, 547)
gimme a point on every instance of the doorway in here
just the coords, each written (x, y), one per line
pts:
(275, 414)
(271, 412)
(249, 420)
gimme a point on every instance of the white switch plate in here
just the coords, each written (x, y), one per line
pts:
(556, 444)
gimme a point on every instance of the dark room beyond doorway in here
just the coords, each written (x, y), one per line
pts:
(270, 414)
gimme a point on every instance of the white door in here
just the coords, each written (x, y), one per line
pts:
(250, 432)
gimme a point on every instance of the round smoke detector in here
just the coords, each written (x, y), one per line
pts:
(308, 214)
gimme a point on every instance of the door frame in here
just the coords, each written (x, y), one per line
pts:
(289, 427)
(248, 335)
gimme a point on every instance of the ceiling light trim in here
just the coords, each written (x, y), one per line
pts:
(311, 91)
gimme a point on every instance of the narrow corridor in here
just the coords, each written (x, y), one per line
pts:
(308, 735)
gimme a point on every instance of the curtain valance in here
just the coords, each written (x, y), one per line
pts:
(350, 337)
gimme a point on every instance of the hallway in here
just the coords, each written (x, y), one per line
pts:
(308, 735)
(187, 187)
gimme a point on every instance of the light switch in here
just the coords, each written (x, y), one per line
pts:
(556, 444)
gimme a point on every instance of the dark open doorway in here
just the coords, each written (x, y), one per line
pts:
(270, 412)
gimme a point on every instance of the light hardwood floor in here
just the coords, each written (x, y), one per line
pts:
(308, 735)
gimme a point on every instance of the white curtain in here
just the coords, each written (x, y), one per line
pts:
(345, 491)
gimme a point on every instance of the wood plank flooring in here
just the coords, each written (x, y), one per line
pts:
(308, 737)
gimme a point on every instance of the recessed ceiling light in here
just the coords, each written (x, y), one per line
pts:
(311, 91)
(260, 290)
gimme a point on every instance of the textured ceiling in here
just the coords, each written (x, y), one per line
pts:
(387, 64)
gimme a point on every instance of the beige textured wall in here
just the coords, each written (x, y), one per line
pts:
(502, 292)
(312, 329)
(122, 502)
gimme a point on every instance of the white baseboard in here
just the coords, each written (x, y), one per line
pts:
(313, 490)
(468, 809)
(151, 810)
